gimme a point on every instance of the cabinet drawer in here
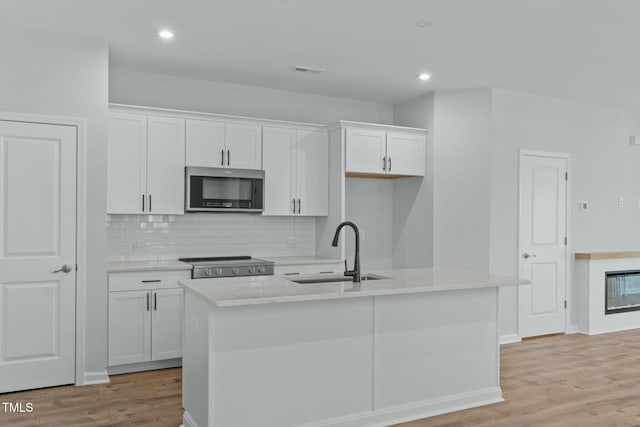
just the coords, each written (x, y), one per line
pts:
(140, 280)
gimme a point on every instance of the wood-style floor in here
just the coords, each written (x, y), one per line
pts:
(564, 380)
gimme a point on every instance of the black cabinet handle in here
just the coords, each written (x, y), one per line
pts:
(228, 158)
(389, 164)
(299, 205)
(149, 202)
(384, 163)
(143, 203)
(147, 301)
(155, 301)
(151, 281)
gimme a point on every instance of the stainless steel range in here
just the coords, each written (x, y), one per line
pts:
(230, 266)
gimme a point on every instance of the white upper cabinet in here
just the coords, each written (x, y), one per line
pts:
(244, 146)
(311, 172)
(278, 145)
(384, 150)
(223, 145)
(405, 154)
(126, 163)
(365, 150)
(205, 143)
(296, 171)
(145, 164)
(165, 165)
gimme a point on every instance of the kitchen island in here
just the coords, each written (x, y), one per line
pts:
(267, 351)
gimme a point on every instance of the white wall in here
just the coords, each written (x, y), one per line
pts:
(369, 204)
(155, 90)
(413, 197)
(54, 75)
(604, 167)
(461, 183)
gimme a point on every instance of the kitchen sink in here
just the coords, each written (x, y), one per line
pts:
(332, 279)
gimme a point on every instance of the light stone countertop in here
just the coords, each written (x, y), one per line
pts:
(128, 266)
(240, 291)
(300, 260)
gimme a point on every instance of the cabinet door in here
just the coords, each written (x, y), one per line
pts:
(129, 327)
(405, 154)
(244, 146)
(311, 183)
(126, 162)
(365, 151)
(166, 324)
(278, 144)
(205, 143)
(165, 165)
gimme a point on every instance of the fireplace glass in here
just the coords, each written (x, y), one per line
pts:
(622, 291)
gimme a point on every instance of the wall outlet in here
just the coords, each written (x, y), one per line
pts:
(292, 242)
(139, 246)
(620, 202)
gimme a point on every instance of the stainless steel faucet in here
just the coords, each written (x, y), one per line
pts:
(355, 273)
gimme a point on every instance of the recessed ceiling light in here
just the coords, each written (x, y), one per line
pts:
(424, 76)
(165, 34)
(425, 23)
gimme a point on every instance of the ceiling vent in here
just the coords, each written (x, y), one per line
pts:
(310, 70)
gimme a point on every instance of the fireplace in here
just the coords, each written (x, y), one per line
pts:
(622, 291)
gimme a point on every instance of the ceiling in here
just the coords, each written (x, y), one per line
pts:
(584, 50)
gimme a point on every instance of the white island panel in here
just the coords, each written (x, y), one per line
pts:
(339, 361)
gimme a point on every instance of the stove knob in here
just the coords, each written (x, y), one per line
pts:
(219, 271)
(235, 270)
(252, 270)
(208, 272)
(262, 269)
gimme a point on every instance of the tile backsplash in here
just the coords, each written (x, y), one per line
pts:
(162, 237)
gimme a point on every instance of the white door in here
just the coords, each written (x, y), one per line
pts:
(205, 143)
(166, 324)
(311, 165)
(126, 163)
(244, 146)
(543, 225)
(165, 166)
(365, 152)
(129, 327)
(37, 237)
(278, 144)
(405, 154)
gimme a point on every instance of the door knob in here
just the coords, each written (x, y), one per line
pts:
(65, 269)
(526, 255)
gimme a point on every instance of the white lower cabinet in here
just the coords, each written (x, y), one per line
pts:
(145, 317)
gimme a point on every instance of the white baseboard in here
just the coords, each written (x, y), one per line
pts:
(97, 377)
(144, 366)
(416, 411)
(187, 421)
(573, 329)
(509, 338)
(403, 413)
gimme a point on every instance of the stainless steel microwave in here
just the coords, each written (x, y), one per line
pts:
(224, 190)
